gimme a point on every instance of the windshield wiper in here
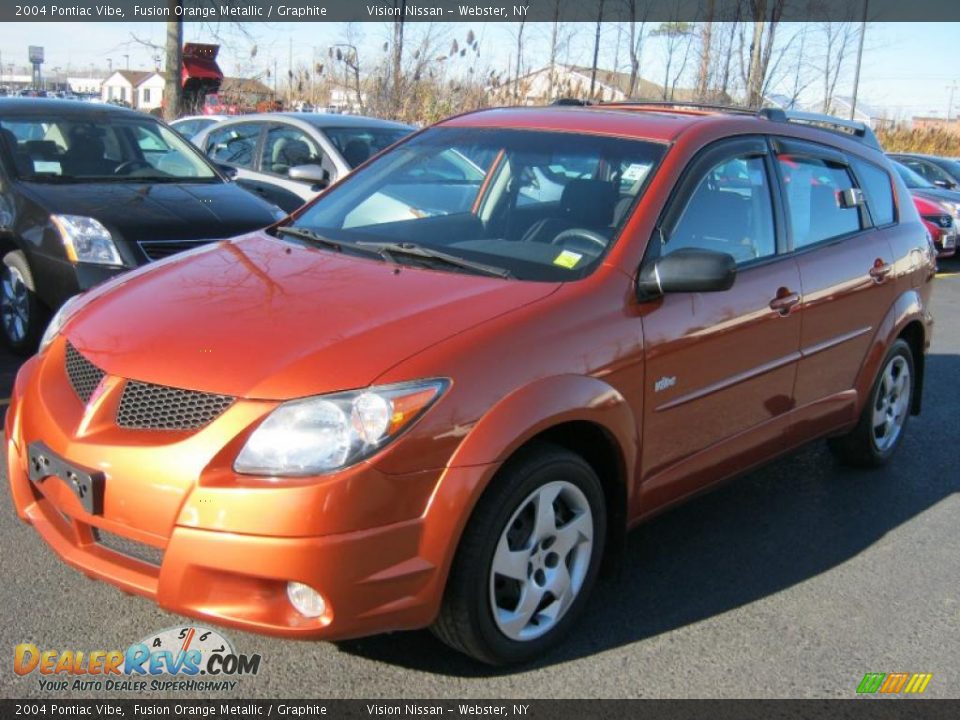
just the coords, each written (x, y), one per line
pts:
(316, 239)
(391, 249)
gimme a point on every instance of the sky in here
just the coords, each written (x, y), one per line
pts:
(908, 68)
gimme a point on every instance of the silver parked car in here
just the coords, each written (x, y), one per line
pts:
(288, 158)
(190, 125)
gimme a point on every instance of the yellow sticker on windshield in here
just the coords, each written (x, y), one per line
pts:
(567, 259)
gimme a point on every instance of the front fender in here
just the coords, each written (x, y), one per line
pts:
(543, 404)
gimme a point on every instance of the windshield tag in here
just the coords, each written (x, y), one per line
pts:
(567, 259)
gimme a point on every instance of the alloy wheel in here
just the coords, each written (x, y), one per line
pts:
(892, 403)
(541, 560)
(14, 305)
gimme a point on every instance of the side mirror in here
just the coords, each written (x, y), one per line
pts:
(686, 270)
(229, 170)
(309, 173)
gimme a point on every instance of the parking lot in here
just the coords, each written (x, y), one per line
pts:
(793, 581)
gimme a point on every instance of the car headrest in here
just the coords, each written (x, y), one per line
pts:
(589, 202)
(291, 152)
(356, 152)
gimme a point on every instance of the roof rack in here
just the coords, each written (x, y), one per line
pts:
(851, 128)
(678, 106)
(858, 130)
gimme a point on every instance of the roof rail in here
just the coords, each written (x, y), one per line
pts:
(676, 105)
(858, 130)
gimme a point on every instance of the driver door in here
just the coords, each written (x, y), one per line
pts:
(720, 366)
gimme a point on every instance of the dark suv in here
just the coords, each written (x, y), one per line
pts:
(88, 191)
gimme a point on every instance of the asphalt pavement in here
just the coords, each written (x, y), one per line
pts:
(792, 581)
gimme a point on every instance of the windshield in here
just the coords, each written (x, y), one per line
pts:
(541, 205)
(356, 144)
(84, 149)
(910, 178)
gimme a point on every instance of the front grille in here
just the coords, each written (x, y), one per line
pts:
(84, 376)
(159, 249)
(131, 548)
(144, 406)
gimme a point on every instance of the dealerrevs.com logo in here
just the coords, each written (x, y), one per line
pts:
(189, 659)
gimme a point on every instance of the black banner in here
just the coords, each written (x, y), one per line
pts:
(875, 709)
(475, 10)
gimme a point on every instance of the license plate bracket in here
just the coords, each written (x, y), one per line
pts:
(87, 485)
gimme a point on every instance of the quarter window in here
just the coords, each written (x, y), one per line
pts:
(730, 211)
(879, 191)
(813, 189)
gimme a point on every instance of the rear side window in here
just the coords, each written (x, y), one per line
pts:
(813, 188)
(879, 191)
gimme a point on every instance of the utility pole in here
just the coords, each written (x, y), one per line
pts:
(856, 75)
(952, 88)
(127, 60)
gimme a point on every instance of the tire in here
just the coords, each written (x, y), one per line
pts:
(872, 442)
(22, 316)
(499, 618)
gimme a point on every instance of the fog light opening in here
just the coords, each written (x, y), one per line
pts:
(305, 600)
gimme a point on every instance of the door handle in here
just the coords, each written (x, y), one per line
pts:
(785, 301)
(880, 270)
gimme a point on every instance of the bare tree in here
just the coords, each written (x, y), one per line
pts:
(766, 16)
(637, 35)
(519, 72)
(173, 83)
(596, 49)
(396, 88)
(706, 41)
(677, 37)
(839, 41)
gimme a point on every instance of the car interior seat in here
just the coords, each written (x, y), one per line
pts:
(85, 156)
(587, 204)
(356, 151)
(21, 159)
(288, 153)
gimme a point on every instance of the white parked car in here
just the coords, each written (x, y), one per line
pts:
(288, 158)
(190, 125)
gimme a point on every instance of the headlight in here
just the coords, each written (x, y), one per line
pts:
(59, 319)
(320, 434)
(952, 208)
(86, 240)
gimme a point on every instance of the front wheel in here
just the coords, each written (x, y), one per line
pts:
(883, 419)
(22, 315)
(528, 559)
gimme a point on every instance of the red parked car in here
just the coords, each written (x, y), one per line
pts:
(940, 224)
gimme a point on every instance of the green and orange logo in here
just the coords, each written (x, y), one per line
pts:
(894, 683)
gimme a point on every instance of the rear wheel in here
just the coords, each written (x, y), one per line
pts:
(528, 558)
(22, 315)
(883, 419)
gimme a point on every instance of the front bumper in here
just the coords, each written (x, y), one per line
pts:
(230, 552)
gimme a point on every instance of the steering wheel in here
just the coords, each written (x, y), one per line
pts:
(125, 168)
(581, 234)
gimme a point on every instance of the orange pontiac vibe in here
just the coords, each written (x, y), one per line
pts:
(440, 394)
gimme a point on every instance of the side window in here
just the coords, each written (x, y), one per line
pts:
(813, 190)
(285, 147)
(929, 171)
(730, 211)
(234, 145)
(879, 191)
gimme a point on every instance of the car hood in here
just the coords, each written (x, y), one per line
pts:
(258, 317)
(936, 194)
(162, 211)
